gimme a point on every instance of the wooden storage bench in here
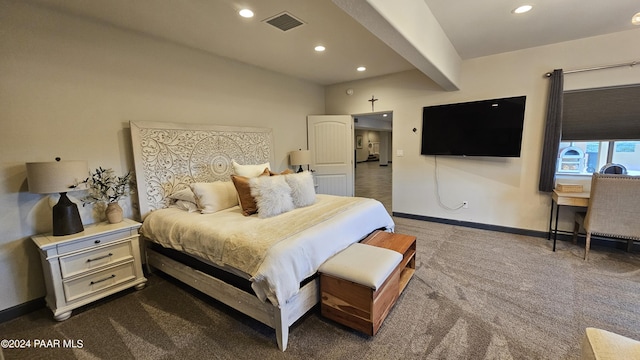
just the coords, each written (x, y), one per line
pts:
(359, 286)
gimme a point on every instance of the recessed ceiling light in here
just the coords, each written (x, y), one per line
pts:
(319, 48)
(361, 68)
(635, 20)
(384, 115)
(246, 13)
(522, 9)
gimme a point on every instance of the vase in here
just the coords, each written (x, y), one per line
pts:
(114, 213)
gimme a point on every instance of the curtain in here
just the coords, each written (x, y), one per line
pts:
(552, 133)
(602, 114)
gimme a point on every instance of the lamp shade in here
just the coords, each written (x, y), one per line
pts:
(300, 157)
(55, 176)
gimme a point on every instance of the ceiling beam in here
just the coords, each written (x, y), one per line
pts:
(409, 28)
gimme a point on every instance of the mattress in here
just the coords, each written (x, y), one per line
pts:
(275, 254)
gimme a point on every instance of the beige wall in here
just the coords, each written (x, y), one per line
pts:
(500, 191)
(367, 136)
(70, 86)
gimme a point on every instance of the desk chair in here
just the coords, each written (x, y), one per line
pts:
(614, 209)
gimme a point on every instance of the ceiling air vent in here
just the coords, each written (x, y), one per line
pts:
(284, 21)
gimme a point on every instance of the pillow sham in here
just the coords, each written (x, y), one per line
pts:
(249, 170)
(303, 190)
(185, 205)
(214, 196)
(185, 194)
(245, 199)
(272, 195)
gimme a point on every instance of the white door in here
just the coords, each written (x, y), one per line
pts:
(330, 140)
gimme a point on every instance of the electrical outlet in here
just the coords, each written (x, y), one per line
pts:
(465, 204)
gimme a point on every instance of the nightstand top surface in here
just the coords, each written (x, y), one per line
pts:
(44, 241)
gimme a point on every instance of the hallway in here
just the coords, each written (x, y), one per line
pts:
(374, 181)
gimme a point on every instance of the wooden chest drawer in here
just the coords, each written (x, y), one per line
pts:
(80, 287)
(85, 261)
(94, 241)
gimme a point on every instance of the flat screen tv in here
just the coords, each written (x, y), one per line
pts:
(478, 128)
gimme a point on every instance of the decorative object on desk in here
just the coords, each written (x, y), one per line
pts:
(611, 168)
(59, 177)
(300, 157)
(573, 188)
(106, 187)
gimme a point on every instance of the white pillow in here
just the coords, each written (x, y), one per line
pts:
(249, 170)
(272, 194)
(303, 191)
(185, 205)
(215, 196)
(185, 194)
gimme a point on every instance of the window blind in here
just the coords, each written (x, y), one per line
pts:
(602, 114)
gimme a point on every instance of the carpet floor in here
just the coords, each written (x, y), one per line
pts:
(476, 294)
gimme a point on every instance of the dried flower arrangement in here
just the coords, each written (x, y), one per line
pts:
(104, 186)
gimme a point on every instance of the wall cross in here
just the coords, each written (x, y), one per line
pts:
(373, 101)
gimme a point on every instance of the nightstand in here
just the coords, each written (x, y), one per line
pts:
(87, 266)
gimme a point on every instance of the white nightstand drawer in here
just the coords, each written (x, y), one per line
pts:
(81, 262)
(94, 241)
(102, 280)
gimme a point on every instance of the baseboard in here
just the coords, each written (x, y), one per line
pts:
(562, 235)
(21, 309)
(469, 224)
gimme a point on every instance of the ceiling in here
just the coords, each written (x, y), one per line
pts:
(475, 28)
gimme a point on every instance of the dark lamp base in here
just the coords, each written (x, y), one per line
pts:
(300, 169)
(66, 218)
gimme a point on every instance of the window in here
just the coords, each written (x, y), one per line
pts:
(587, 157)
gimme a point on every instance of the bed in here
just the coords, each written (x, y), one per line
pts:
(262, 267)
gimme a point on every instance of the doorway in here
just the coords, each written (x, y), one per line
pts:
(372, 156)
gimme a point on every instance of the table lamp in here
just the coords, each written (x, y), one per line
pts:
(300, 157)
(59, 177)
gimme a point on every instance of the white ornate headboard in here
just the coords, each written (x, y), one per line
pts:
(170, 156)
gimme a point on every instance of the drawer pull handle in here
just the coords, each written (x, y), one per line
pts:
(101, 280)
(100, 257)
(97, 242)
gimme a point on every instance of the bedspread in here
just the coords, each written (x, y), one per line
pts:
(276, 253)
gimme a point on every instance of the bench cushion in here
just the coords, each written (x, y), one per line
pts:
(362, 264)
(604, 345)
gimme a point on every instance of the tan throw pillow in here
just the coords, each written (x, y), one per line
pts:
(246, 200)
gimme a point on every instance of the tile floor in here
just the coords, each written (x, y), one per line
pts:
(374, 181)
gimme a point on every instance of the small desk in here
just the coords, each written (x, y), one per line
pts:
(580, 199)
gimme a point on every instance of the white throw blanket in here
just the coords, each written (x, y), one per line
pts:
(278, 252)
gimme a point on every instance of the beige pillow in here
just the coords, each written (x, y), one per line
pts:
(249, 170)
(246, 200)
(214, 196)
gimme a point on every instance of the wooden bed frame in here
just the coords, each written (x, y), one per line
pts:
(170, 156)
